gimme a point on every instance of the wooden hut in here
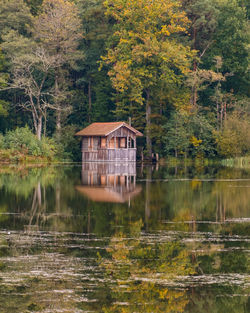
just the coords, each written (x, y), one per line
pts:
(109, 142)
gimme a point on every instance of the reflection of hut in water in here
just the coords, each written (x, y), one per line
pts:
(109, 182)
(114, 141)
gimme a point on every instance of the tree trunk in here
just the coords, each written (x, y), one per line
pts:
(221, 116)
(148, 126)
(194, 88)
(176, 148)
(34, 121)
(45, 123)
(225, 112)
(218, 115)
(58, 122)
(90, 101)
(57, 104)
(39, 128)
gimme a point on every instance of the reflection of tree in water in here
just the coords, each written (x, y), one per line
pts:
(219, 299)
(39, 199)
(215, 201)
(138, 268)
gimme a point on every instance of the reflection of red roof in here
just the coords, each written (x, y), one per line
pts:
(105, 194)
(104, 129)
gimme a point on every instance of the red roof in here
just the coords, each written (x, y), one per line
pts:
(104, 129)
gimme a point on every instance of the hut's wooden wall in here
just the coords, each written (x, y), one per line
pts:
(85, 141)
(121, 132)
(110, 168)
(90, 143)
(110, 155)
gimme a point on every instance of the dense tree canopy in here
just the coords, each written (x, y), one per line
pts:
(178, 69)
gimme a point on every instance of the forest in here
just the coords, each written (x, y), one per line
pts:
(179, 69)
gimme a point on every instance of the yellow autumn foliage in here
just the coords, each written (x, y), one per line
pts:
(145, 43)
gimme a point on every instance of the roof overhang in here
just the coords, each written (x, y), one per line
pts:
(105, 129)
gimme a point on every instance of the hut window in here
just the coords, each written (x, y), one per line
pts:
(129, 142)
(123, 142)
(103, 142)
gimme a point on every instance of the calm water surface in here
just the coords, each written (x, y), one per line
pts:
(120, 238)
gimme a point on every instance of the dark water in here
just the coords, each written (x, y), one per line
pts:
(124, 239)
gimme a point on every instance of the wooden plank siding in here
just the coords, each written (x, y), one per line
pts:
(110, 155)
(109, 168)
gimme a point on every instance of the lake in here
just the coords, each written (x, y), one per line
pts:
(124, 238)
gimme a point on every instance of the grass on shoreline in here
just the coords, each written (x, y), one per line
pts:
(8, 156)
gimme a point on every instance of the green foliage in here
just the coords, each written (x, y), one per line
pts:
(34, 5)
(1, 141)
(231, 42)
(234, 139)
(14, 15)
(177, 137)
(3, 108)
(48, 147)
(189, 135)
(68, 146)
(23, 140)
(202, 129)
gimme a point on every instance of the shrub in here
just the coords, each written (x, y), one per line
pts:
(68, 146)
(23, 140)
(2, 144)
(48, 147)
(234, 139)
(190, 135)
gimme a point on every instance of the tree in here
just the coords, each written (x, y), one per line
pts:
(203, 17)
(34, 5)
(3, 79)
(144, 53)
(57, 29)
(96, 32)
(30, 68)
(189, 135)
(177, 135)
(14, 15)
(234, 139)
(231, 41)
(44, 56)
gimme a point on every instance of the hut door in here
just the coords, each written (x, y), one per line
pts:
(114, 143)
